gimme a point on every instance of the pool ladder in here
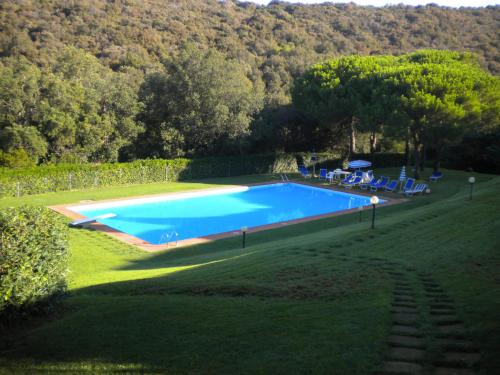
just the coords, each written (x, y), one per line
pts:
(284, 178)
(167, 238)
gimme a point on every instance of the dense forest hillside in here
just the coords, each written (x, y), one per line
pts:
(280, 39)
(107, 80)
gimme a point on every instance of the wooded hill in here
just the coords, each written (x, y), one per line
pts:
(280, 39)
(115, 80)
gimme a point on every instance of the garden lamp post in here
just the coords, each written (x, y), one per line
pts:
(244, 231)
(374, 201)
(360, 210)
(472, 181)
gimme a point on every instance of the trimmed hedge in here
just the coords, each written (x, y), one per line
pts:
(33, 256)
(60, 177)
(44, 179)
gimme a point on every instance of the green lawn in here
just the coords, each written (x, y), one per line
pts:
(312, 298)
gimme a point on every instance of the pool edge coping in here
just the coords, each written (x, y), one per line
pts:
(64, 209)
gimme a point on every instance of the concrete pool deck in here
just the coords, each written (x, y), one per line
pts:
(67, 211)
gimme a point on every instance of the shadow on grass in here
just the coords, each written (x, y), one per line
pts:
(186, 323)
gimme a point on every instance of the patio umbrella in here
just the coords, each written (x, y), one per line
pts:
(357, 164)
(402, 175)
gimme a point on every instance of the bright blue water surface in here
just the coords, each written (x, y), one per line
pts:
(179, 219)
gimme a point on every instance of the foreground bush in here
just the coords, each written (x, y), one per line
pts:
(33, 257)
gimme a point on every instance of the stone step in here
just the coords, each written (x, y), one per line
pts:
(441, 305)
(451, 329)
(396, 273)
(440, 301)
(406, 354)
(442, 311)
(430, 284)
(407, 330)
(401, 367)
(461, 358)
(408, 291)
(404, 310)
(436, 294)
(404, 304)
(445, 320)
(452, 371)
(405, 318)
(457, 345)
(404, 299)
(406, 341)
(404, 294)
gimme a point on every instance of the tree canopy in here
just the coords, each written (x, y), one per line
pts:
(201, 103)
(76, 108)
(438, 96)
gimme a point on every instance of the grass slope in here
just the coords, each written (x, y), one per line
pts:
(309, 298)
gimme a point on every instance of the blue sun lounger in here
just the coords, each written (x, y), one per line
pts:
(435, 176)
(322, 174)
(392, 186)
(304, 172)
(408, 184)
(347, 179)
(356, 181)
(366, 185)
(419, 188)
(380, 184)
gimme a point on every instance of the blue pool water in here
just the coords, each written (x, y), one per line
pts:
(182, 216)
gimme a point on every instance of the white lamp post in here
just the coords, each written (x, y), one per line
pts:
(374, 201)
(472, 181)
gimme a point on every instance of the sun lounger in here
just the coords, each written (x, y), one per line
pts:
(392, 186)
(304, 172)
(366, 185)
(347, 179)
(419, 188)
(381, 184)
(322, 174)
(356, 181)
(408, 184)
(435, 176)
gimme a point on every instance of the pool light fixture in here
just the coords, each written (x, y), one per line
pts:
(244, 231)
(472, 181)
(374, 201)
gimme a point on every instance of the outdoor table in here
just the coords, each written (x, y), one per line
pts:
(338, 173)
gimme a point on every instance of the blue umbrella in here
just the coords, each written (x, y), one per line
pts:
(356, 164)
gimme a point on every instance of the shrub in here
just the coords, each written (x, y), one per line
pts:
(33, 257)
(16, 159)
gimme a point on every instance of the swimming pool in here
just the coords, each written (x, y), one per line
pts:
(175, 217)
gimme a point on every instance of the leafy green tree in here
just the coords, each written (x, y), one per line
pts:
(76, 106)
(87, 109)
(443, 96)
(435, 97)
(345, 93)
(200, 104)
(19, 95)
